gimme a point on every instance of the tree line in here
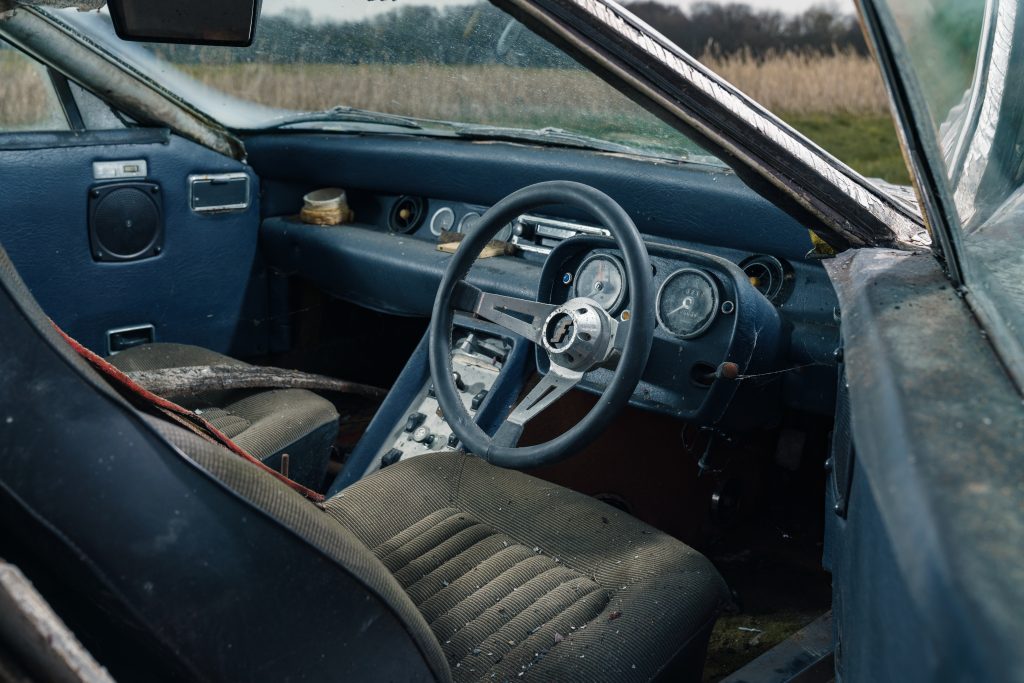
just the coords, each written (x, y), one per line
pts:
(482, 34)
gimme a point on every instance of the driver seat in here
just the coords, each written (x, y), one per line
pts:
(512, 577)
(174, 559)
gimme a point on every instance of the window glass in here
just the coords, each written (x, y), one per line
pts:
(96, 114)
(446, 63)
(966, 58)
(27, 99)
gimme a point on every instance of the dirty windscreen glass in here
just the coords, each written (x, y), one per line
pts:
(967, 58)
(433, 61)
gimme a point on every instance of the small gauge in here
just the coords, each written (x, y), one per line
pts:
(505, 234)
(443, 219)
(602, 279)
(471, 221)
(687, 303)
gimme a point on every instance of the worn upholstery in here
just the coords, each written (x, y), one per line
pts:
(309, 522)
(520, 579)
(499, 576)
(264, 423)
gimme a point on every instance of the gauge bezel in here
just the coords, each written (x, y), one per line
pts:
(716, 301)
(620, 300)
(780, 272)
(433, 220)
(465, 217)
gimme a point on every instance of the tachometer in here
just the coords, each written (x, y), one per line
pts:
(687, 303)
(602, 278)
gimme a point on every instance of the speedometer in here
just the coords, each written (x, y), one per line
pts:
(602, 279)
(687, 303)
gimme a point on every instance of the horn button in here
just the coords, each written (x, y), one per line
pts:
(578, 334)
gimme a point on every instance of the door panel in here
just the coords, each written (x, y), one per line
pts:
(206, 285)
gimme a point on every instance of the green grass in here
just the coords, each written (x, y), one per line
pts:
(868, 143)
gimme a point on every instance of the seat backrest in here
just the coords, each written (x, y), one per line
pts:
(173, 567)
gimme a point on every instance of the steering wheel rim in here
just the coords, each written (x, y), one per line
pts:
(634, 351)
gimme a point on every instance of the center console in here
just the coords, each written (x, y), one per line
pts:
(489, 365)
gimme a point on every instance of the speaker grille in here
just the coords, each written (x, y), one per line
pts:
(125, 221)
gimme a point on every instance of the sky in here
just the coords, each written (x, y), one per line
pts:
(359, 9)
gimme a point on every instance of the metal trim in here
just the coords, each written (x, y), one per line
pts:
(219, 178)
(129, 328)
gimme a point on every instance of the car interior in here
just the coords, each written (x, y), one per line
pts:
(601, 453)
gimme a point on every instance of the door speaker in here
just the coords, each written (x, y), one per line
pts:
(126, 221)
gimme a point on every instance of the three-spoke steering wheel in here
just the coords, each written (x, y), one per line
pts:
(576, 336)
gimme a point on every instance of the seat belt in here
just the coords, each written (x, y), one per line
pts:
(146, 400)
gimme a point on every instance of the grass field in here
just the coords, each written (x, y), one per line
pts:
(836, 100)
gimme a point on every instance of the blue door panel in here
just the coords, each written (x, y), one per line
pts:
(206, 287)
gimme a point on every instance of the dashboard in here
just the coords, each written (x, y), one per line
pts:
(407, 193)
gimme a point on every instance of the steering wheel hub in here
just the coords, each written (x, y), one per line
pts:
(578, 334)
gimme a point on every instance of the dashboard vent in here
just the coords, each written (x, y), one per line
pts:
(406, 214)
(541, 235)
(770, 276)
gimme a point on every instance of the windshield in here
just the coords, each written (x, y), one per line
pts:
(439, 63)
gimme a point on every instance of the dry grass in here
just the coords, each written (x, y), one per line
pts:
(26, 100)
(492, 94)
(837, 100)
(808, 84)
(819, 84)
(841, 83)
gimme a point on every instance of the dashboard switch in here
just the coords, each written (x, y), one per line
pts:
(459, 384)
(422, 435)
(414, 421)
(478, 399)
(391, 457)
(453, 440)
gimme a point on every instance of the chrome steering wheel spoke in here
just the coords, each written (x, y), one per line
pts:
(525, 318)
(552, 386)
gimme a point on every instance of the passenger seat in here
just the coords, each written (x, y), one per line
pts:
(265, 423)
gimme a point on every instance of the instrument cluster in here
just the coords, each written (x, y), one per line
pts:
(710, 313)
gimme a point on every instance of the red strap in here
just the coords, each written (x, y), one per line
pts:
(179, 414)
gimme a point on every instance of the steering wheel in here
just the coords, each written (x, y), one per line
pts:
(576, 336)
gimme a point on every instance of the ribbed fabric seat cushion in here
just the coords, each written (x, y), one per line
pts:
(523, 580)
(485, 596)
(264, 423)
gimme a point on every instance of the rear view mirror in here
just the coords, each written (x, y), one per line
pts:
(198, 22)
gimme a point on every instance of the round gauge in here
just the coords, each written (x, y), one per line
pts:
(471, 220)
(505, 234)
(602, 279)
(443, 219)
(687, 303)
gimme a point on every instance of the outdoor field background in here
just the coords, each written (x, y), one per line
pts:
(811, 70)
